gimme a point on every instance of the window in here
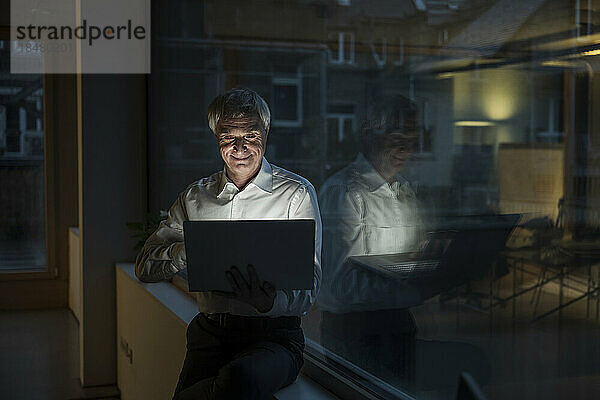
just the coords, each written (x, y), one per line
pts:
(342, 48)
(482, 110)
(287, 101)
(341, 132)
(22, 219)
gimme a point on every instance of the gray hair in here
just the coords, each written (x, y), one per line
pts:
(238, 103)
(391, 113)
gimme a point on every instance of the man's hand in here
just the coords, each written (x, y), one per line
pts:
(259, 296)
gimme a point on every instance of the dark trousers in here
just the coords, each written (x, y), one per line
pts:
(239, 357)
(381, 342)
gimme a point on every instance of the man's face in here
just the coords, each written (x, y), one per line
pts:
(397, 148)
(242, 147)
(392, 150)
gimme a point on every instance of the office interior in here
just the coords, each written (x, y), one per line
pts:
(506, 95)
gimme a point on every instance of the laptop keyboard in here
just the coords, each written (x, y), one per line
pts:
(413, 268)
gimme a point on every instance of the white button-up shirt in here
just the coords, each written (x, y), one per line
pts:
(273, 194)
(364, 215)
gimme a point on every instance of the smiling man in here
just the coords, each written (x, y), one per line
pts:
(369, 208)
(248, 343)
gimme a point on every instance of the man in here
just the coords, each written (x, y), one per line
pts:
(369, 208)
(246, 344)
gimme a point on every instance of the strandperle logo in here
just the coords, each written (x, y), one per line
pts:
(84, 31)
(80, 36)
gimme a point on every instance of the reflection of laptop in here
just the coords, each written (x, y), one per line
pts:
(473, 247)
(281, 251)
(401, 266)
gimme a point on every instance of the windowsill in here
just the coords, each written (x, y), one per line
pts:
(181, 283)
(175, 298)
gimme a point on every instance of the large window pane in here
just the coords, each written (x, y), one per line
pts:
(22, 206)
(425, 126)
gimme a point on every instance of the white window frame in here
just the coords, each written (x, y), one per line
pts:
(340, 57)
(341, 118)
(289, 81)
(423, 126)
(581, 36)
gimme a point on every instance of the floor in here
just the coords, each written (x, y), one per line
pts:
(40, 357)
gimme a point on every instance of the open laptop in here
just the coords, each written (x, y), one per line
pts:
(281, 251)
(474, 243)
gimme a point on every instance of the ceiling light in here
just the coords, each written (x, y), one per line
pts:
(474, 123)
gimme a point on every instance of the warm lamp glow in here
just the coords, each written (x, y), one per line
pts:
(595, 52)
(474, 123)
(499, 101)
(490, 95)
(558, 64)
(445, 75)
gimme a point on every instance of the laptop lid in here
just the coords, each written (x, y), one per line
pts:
(281, 251)
(478, 240)
(475, 242)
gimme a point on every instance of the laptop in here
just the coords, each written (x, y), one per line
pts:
(281, 251)
(472, 247)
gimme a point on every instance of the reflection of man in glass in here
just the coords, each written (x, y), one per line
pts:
(369, 208)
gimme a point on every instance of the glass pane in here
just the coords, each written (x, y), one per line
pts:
(348, 129)
(430, 130)
(285, 103)
(22, 205)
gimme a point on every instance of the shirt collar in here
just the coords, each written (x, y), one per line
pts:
(371, 177)
(263, 180)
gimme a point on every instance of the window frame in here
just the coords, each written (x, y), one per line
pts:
(288, 81)
(340, 118)
(340, 55)
(52, 271)
(344, 379)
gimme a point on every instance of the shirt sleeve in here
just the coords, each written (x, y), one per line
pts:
(348, 287)
(298, 302)
(163, 254)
